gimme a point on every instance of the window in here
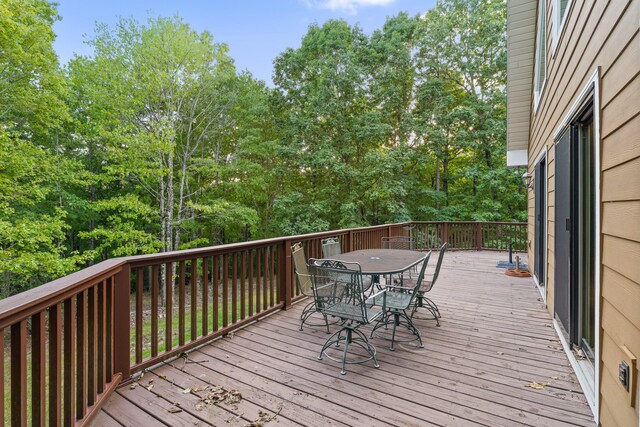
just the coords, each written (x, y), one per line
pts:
(559, 12)
(541, 53)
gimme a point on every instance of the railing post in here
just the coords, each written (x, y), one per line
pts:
(445, 232)
(350, 240)
(284, 272)
(479, 236)
(121, 328)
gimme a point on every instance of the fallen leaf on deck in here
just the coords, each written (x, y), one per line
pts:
(535, 385)
(500, 353)
(186, 391)
(174, 409)
(132, 386)
(149, 387)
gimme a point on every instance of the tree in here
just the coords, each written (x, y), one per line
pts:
(462, 55)
(32, 112)
(166, 100)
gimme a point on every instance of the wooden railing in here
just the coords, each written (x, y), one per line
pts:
(472, 235)
(70, 342)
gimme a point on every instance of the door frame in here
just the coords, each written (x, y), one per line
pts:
(543, 289)
(589, 384)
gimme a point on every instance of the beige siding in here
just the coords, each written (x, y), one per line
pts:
(601, 34)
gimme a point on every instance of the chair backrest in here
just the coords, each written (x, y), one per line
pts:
(344, 279)
(305, 285)
(331, 247)
(443, 248)
(398, 242)
(420, 278)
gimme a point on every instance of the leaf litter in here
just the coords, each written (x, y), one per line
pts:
(214, 394)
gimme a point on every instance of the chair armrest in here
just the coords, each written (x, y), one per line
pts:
(378, 297)
(399, 288)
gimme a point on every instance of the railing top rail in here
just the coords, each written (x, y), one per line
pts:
(22, 305)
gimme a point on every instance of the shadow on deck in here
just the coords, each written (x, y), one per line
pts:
(496, 360)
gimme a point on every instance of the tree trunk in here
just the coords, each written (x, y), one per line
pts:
(438, 182)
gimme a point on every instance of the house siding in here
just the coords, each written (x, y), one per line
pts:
(600, 34)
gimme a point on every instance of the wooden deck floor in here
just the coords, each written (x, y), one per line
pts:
(495, 361)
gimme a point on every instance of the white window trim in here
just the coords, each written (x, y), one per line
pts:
(586, 382)
(537, 94)
(558, 27)
(543, 290)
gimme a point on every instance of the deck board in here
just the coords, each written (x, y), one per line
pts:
(496, 338)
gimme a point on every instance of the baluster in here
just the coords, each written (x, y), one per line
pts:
(265, 278)
(216, 292)
(243, 295)
(258, 296)
(182, 296)
(69, 356)
(154, 310)
(194, 299)
(169, 307)
(110, 338)
(19, 374)
(225, 290)
(102, 317)
(272, 279)
(38, 369)
(250, 290)
(81, 355)
(205, 296)
(92, 357)
(234, 288)
(139, 279)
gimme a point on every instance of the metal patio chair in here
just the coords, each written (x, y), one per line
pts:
(398, 300)
(331, 247)
(422, 301)
(399, 242)
(343, 280)
(305, 286)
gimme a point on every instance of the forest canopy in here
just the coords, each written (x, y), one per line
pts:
(156, 142)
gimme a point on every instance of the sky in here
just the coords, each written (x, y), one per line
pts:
(257, 31)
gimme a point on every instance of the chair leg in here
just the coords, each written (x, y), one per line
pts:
(350, 336)
(396, 322)
(426, 303)
(308, 311)
(347, 341)
(399, 317)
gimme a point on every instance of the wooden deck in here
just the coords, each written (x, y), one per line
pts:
(496, 361)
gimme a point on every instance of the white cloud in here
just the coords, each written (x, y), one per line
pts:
(350, 6)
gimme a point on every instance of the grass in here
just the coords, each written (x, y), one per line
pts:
(175, 322)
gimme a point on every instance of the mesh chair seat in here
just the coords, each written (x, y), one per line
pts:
(350, 312)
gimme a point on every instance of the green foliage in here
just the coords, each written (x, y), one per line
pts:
(155, 142)
(30, 231)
